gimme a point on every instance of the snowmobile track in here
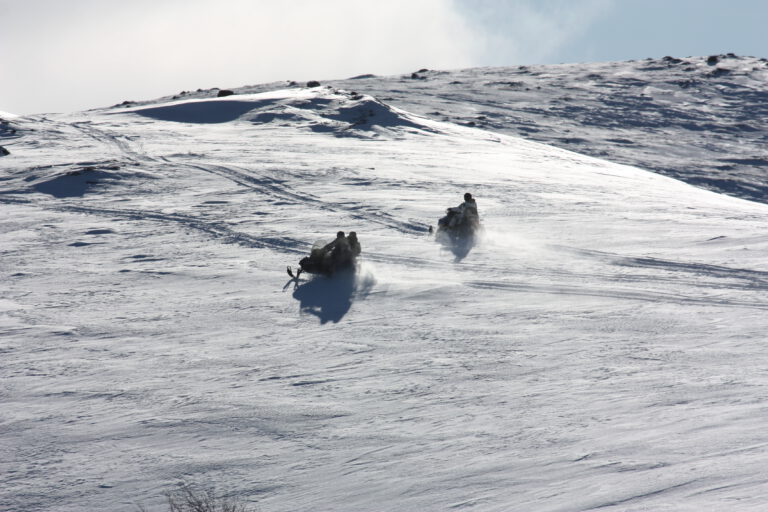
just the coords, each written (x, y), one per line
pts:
(124, 145)
(651, 296)
(275, 188)
(215, 229)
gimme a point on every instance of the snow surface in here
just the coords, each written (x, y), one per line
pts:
(703, 120)
(602, 347)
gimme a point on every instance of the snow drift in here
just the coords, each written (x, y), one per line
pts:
(320, 109)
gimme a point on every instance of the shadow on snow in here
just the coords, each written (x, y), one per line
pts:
(459, 246)
(330, 298)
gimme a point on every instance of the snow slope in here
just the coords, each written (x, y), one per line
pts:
(602, 347)
(702, 120)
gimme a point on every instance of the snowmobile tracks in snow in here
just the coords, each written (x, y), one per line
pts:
(266, 185)
(752, 279)
(278, 189)
(123, 143)
(215, 229)
(652, 296)
(684, 272)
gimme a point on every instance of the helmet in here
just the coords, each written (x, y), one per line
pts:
(340, 234)
(467, 196)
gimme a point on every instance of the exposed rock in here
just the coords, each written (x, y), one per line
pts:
(224, 92)
(671, 60)
(685, 84)
(4, 151)
(313, 83)
(6, 128)
(713, 59)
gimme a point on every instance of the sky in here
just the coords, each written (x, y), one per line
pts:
(60, 56)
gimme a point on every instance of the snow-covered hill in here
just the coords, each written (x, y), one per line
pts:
(601, 347)
(702, 120)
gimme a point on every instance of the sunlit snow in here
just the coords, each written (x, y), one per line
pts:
(601, 347)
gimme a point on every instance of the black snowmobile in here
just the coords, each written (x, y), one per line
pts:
(329, 258)
(458, 226)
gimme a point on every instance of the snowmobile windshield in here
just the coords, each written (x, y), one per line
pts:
(320, 244)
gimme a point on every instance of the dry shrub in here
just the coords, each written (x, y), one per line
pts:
(186, 499)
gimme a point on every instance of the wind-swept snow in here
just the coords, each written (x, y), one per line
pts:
(320, 109)
(703, 120)
(601, 347)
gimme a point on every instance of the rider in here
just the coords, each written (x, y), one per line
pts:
(328, 258)
(469, 206)
(340, 239)
(465, 210)
(354, 245)
(337, 253)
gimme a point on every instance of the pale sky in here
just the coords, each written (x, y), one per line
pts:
(62, 56)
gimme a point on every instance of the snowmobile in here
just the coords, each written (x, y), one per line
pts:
(327, 259)
(457, 226)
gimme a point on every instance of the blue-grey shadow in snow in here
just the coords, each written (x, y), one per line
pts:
(459, 246)
(329, 298)
(201, 111)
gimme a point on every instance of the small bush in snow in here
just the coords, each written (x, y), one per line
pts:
(186, 499)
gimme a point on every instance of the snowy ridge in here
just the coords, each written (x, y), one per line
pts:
(321, 109)
(602, 347)
(698, 119)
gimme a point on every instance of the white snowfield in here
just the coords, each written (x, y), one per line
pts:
(603, 347)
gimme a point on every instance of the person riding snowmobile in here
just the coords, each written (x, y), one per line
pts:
(354, 245)
(329, 258)
(462, 217)
(338, 253)
(465, 210)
